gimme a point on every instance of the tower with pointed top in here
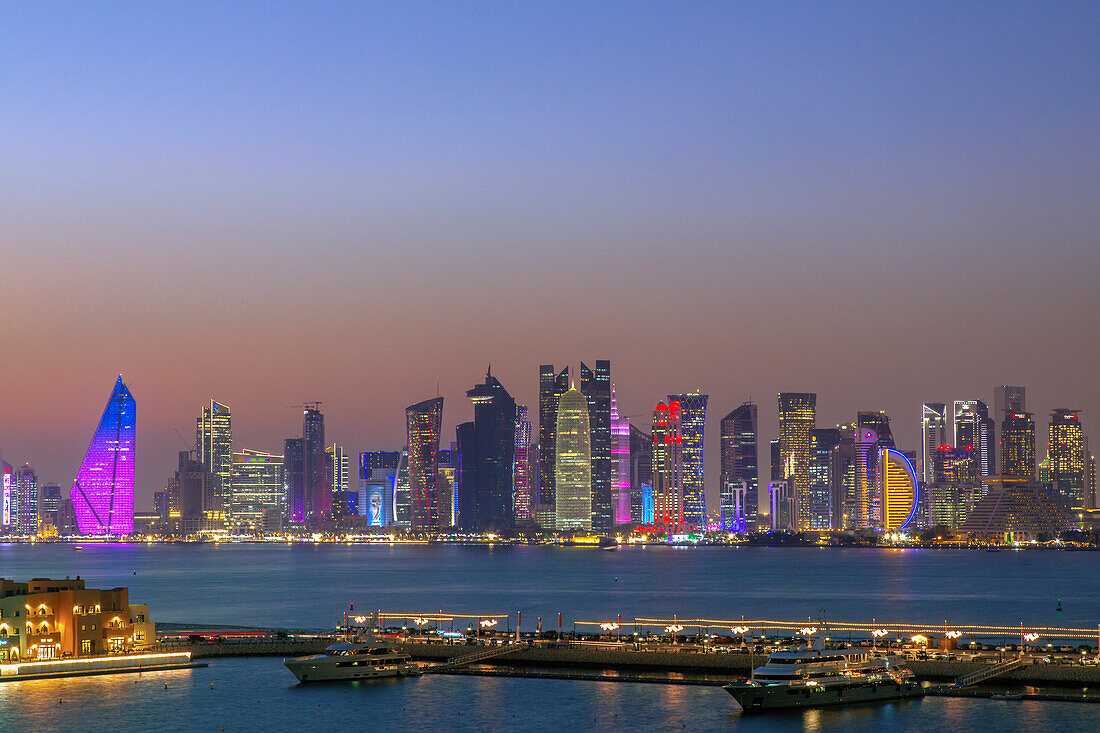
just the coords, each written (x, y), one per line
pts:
(103, 492)
(573, 465)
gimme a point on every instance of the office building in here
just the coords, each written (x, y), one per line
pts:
(949, 504)
(955, 466)
(103, 492)
(822, 443)
(573, 469)
(1068, 458)
(732, 499)
(900, 497)
(641, 476)
(796, 421)
(1018, 445)
(974, 427)
(552, 385)
(257, 482)
(872, 435)
(487, 447)
(595, 385)
(294, 480)
(782, 507)
(738, 438)
(423, 421)
(843, 480)
(49, 504)
(214, 445)
(402, 492)
(315, 466)
(8, 497)
(620, 463)
(522, 480)
(668, 467)
(337, 466)
(693, 414)
(933, 429)
(26, 505)
(1006, 400)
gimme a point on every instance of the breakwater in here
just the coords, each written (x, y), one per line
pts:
(279, 648)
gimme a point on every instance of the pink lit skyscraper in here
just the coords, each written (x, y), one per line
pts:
(522, 485)
(620, 464)
(103, 492)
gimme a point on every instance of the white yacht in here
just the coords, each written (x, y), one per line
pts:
(812, 677)
(359, 657)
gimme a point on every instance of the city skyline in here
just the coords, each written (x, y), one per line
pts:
(882, 205)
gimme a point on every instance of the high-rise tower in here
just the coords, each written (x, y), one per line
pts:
(933, 431)
(551, 387)
(739, 456)
(1018, 445)
(318, 483)
(27, 506)
(487, 458)
(424, 421)
(620, 463)
(522, 486)
(668, 466)
(797, 412)
(596, 387)
(103, 492)
(573, 469)
(214, 444)
(975, 428)
(1068, 458)
(641, 476)
(693, 414)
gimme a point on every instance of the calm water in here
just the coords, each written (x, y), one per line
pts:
(308, 586)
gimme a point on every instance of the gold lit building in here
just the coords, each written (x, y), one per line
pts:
(796, 421)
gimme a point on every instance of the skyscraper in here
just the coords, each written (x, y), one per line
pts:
(573, 469)
(843, 479)
(822, 443)
(739, 456)
(933, 430)
(402, 492)
(487, 450)
(214, 444)
(668, 466)
(103, 492)
(1068, 458)
(1018, 445)
(27, 506)
(693, 414)
(338, 475)
(641, 476)
(899, 490)
(49, 503)
(551, 387)
(872, 435)
(294, 479)
(522, 485)
(424, 421)
(975, 428)
(257, 486)
(596, 387)
(8, 493)
(620, 463)
(318, 483)
(796, 420)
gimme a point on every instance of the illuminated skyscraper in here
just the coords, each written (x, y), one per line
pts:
(668, 466)
(487, 448)
(423, 421)
(523, 488)
(257, 485)
(796, 420)
(103, 492)
(214, 444)
(1068, 458)
(620, 463)
(955, 466)
(899, 490)
(318, 477)
(975, 428)
(641, 476)
(933, 429)
(573, 469)
(1018, 445)
(843, 479)
(872, 435)
(693, 414)
(49, 503)
(1006, 400)
(596, 387)
(26, 514)
(8, 493)
(551, 387)
(822, 443)
(738, 439)
(338, 470)
(294, 480)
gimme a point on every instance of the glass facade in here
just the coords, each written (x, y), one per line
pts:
(797, 415)
(424, 421)
(620, 463)
(668, 486)
(693, 415)
(103, 492)
(738, 440)
(899, 490)
(573, 469)
(214, 439)
(521, 467)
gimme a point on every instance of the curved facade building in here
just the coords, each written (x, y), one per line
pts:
(573, 464)
(899, 490)
(103, 492)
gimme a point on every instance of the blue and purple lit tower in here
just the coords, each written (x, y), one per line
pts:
(620, 464)
(103, 492)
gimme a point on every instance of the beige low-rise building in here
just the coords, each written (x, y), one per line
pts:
(45, 618)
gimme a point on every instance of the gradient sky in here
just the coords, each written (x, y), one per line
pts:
(885, 203)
